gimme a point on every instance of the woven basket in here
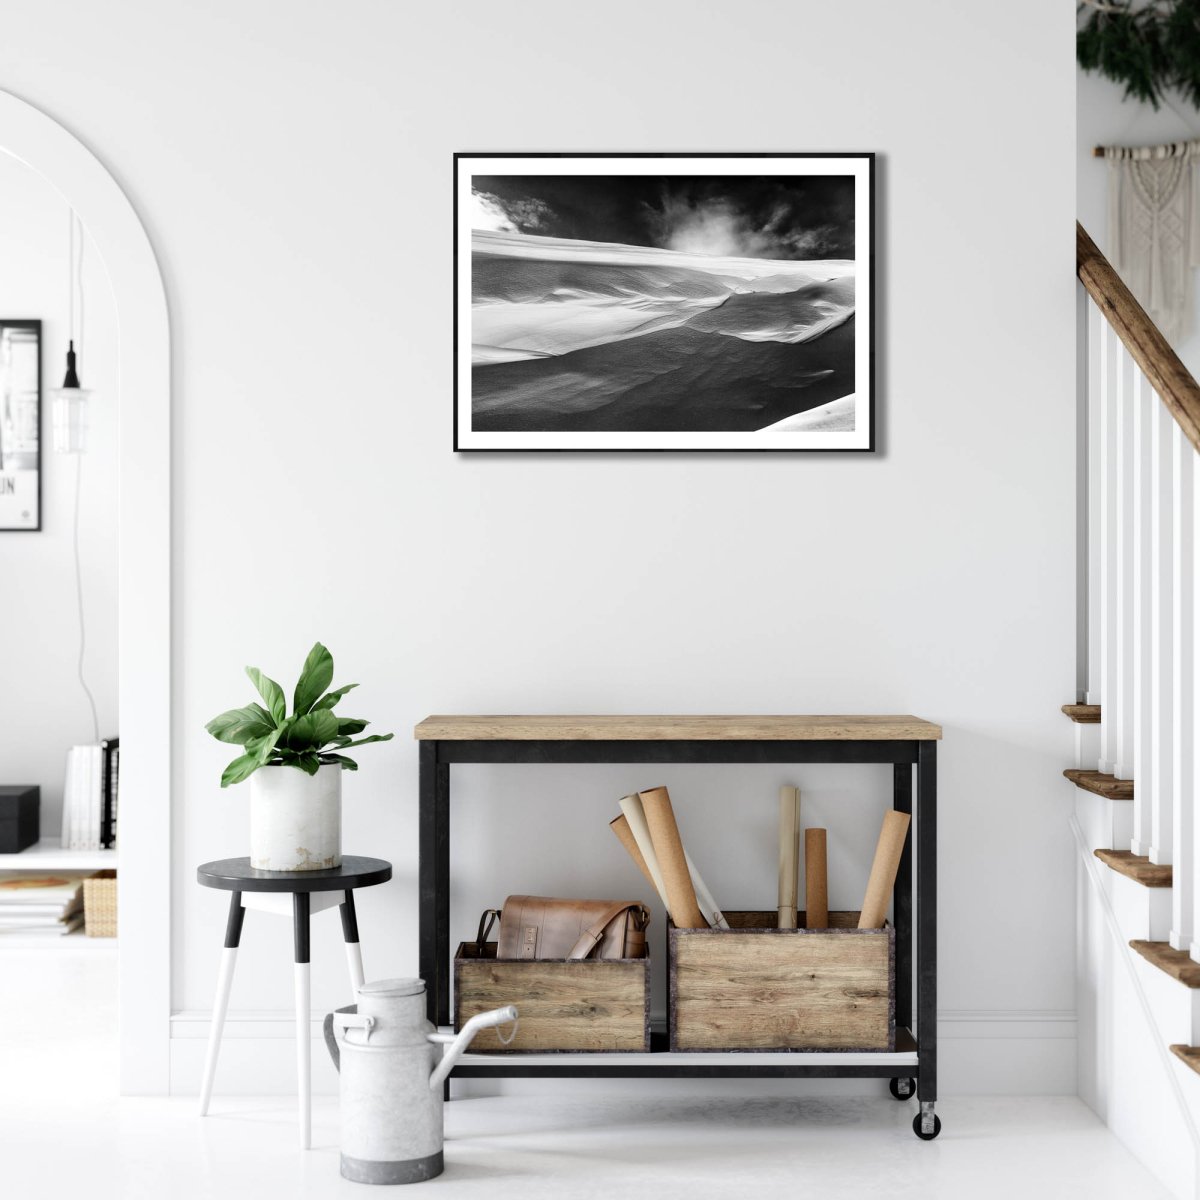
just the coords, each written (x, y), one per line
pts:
(100, 904)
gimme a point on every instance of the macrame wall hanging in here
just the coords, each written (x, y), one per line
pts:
(1154, 228)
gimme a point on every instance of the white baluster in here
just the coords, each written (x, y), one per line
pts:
(1188, 855)
(1183, 596)
(1162, 780)
(1146, 404)
(1123, 690)
(1108, 547)
(1095, 350)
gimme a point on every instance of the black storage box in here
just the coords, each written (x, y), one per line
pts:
(19, 817)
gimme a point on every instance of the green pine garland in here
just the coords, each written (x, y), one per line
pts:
(1150, 48)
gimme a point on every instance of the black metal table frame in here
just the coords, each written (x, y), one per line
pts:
(436, 759)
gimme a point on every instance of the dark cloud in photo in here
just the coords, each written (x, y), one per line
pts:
(767, 216)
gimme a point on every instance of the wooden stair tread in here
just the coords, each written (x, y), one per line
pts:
(1136, 867)
(1083, 714)
(1108, 786)
(1189, 1055)
(1176, 963)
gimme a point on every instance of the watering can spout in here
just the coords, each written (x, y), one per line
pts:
(456, 1049)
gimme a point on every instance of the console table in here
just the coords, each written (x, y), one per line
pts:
(905, 742)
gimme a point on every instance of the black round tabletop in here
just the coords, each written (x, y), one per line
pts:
(237, 875)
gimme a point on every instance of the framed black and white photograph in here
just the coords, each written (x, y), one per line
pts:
(20, 425)
(664, 302)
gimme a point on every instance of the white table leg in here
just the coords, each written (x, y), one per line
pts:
(301, 910)
(354, 962)
(353, 946)
(303, 1054)
(233, 935)
(220, 1007)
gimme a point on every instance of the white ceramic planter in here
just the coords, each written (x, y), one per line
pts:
(296, 819)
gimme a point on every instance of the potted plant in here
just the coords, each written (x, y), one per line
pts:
(294, 764)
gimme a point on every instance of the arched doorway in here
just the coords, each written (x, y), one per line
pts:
(144, 577)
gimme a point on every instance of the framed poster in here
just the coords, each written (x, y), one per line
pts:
(664, 302)
(20, 425)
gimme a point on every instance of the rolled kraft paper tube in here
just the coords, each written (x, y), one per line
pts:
(704, 898)
(635, 819)
(620, 826)
(883, 870)
(816, 880)
(668, 848)
(789, 853)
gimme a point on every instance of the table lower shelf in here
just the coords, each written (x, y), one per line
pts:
(661, 1062)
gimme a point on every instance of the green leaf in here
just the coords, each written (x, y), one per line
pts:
(375, 737)
(265, 747)
(271, 693)
(351, 725)
(331, 698)
(315, 676)
(311, 731)
(309, 763)
(241, 768)
(241, 725)
(348, 764)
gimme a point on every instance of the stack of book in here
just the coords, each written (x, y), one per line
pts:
(90, 793)
(46, 903)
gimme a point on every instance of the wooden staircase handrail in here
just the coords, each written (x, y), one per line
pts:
(1147, 347)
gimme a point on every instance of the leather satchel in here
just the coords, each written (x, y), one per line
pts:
(540, 927)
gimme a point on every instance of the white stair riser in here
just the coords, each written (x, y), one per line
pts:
(1143, 913)
(1176, 1008)
(1107, 824)
(1087, 746)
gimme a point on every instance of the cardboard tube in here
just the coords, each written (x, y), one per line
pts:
(816, 880)
(635, 819)
(883, 869)
(704, 898)
(620, 826)
(668, 848)
(789, 846)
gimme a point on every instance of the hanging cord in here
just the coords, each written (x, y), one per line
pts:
(87, 691)
(79, 281)
(75, 275)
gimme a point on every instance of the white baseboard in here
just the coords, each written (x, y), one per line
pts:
(985, 1052)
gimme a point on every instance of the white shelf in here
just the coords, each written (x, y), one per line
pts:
(48, 855)
(67, 941)
(807, 1058)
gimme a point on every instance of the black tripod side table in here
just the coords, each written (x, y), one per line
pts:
(310, 891)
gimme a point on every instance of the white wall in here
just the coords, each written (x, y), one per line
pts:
(295, 176)
(43, 710)
(1105, 118)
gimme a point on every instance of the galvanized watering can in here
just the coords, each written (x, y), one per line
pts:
(392, 1070)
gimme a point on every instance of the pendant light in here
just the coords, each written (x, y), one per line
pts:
(70, 402)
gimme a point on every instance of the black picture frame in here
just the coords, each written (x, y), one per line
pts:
(21, 431)
(467, 440)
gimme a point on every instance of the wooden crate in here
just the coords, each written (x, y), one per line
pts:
(756, 987)
(589, 1005)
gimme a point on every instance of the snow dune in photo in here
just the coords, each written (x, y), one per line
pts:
(580, 335)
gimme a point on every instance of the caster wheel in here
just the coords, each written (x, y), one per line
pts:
(902, 1089)
(927, 1137)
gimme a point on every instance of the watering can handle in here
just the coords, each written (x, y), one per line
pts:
(331, 1042)
(341, 1018)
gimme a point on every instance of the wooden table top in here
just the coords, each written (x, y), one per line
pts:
(857, 728)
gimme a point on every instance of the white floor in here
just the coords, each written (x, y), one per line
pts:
(527, 1148)
(62, 1134)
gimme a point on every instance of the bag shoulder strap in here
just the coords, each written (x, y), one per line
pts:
(485, 926)
(595, 931)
